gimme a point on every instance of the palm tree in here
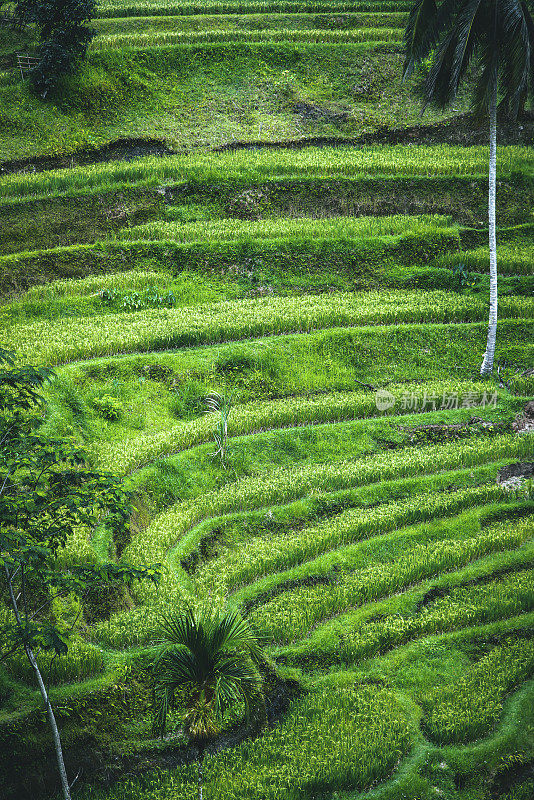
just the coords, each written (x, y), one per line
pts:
(212, 658)
(498, 35)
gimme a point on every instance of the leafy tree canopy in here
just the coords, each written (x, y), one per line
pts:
(64, 35)
(46, 493)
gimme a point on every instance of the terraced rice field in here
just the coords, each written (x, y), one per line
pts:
(357, 521)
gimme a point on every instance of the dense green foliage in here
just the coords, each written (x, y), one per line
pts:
(336, 297)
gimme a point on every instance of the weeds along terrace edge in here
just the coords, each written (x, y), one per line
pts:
(266, 165)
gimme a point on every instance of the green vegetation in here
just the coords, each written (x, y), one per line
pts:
(321, 313)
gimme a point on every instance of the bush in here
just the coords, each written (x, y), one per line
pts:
(108, 407)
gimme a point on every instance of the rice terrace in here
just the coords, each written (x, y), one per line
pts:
(267, 388)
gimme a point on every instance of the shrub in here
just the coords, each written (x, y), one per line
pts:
(108, 407)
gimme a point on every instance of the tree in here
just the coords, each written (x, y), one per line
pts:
(498, 36)
(64, 36)
(212, 657)
(46, 492)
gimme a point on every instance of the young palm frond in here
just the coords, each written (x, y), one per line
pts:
(221, 405)
(211, 657)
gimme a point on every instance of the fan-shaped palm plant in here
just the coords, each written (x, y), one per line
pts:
(212, 658)
(498, 36)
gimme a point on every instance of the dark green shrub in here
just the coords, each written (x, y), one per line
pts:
(108, 407)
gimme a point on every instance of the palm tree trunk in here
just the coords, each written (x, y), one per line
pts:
(487, 364)
(44, 694)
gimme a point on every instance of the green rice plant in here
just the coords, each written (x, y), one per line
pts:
(355, 635)
(515, 258)
(290, 616)
(146, 8)
(341, 736)
(246, 167)
(167, 39)
(469, 708)
(254, 22)
(82, 660)
(157, 329)
(284, 485)
(345, 736)
(264, 557)
(339, 227)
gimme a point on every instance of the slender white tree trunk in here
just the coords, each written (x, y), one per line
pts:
(487, 364)
(44, 694)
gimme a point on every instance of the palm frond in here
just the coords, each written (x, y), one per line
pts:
(236, 679)
(517, 44)
(487, 84)
(436, 87)
(469, 34)
(498, 33)
(187, 629)
(161, 702)
(419, 36)
(234, 633)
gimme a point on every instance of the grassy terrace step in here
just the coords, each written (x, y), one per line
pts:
(155, 391)
(122, 457)
(354, 556)
(156, 8)
(281, 228)
(309, 471)
(168, 39)
(248, 22)
(370, 618)
(91, 217)
(388, 563)
(285, 263)
(294, 362)
(278, 487)
(166, 328)
(219, 538)
(355, 516)
(513, 258)
(245, 167)
(245, 267)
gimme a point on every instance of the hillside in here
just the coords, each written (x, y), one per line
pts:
(368, 519)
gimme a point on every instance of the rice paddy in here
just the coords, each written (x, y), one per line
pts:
(339, 295)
